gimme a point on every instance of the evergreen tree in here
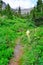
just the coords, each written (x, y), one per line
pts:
(38, 13)
(39, 5)
(34, 13)
(19, 11)
(0, 5)
(8, 11)
(42, 6)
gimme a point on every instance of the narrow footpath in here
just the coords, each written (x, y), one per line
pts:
(18, 51)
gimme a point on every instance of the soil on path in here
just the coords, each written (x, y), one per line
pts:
(18, 51)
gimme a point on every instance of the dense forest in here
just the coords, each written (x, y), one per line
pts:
(21, 31)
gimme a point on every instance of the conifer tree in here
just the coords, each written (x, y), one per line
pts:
(39, 5)
(19, 10)
(8, 11)
(0, 5)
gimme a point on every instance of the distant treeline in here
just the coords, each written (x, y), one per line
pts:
(36, 13)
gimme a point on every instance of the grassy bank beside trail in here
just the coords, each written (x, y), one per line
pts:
(33, 49)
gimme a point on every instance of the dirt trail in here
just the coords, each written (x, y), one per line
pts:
(18, 51)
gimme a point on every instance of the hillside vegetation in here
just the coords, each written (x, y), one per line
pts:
(10, 30)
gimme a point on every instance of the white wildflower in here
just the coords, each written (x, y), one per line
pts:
(27, 32)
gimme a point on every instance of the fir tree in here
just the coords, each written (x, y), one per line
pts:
(8, 11)
(19, 10)
(1, 5)
(39, 5)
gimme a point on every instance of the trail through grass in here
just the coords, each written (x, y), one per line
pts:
(18, 51)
